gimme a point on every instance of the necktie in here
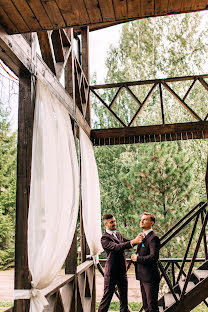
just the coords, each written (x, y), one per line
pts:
(114, 234)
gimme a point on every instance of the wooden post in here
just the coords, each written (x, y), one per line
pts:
(206, 179)
(71, 260)
(69, 70)
(24, 154)
(85, 64)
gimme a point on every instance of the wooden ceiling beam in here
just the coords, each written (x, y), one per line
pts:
(145, 134)
(37, 15)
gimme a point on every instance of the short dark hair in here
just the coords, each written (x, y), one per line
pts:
(107, 216)
(152, 217)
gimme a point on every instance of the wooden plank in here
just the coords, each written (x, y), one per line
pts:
(161, 7)
(161, 105)
(40, 13)
(46, 51)
(84, 266)
(174, 6)
(27, 14)
(7, 23)
(110, 110)
(147, 8)
(85, 67)
(57, 46)
(145, 82)
(65, 39)
(71, 260)
(120, 8)
(59, 282)
(14, 16)
(133, 8)
(156, 133)
(93, 10)
(201, 5)
(181, 101)
(54, 14)
(107, 10)
(142, 105)
(76, 12)
(187, 5)
(206, 179)
(24, 156)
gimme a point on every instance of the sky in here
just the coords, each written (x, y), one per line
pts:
(99, 44)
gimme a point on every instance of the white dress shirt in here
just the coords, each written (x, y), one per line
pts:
(147, 232)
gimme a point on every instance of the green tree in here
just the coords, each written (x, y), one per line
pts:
(7, 189)
(148, 49)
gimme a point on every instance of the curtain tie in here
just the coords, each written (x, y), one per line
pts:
(37, 299)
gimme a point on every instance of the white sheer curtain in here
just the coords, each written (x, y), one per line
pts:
(90, 195)
(54, 194)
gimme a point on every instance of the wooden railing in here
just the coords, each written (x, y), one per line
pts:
(72, 292)
(158, 123)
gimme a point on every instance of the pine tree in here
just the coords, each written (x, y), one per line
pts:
(166, 178)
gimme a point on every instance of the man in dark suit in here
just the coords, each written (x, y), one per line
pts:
(146, 264)
(114, 245)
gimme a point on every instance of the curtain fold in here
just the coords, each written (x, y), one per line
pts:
(90, 191)
(54, 193)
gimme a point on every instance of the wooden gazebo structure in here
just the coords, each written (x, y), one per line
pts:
(56, 23)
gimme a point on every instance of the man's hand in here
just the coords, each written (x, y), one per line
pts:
(134, 257)
(138, 239)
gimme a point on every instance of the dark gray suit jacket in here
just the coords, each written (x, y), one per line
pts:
(148, 254)
(116, 261)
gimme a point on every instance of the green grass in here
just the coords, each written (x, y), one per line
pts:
(136, 306)
(5, 305)
(115, 306)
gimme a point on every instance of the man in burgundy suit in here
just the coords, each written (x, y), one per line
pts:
(114, 245)
(146, 264)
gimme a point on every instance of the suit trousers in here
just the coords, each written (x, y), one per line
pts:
(150, 296)
(109, 288)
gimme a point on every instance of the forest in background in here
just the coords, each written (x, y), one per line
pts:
(164, 178)
(167, 179)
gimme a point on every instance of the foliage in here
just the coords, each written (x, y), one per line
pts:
(167, 178)
(7, 189)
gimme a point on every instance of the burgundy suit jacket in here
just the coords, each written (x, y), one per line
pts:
(146, 267)
(114, 248)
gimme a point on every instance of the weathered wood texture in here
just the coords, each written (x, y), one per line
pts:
(24, 16)
(206, 179)
(157, 85)
(85, 68)
(24, 155)
(17, 54)
(145, 134)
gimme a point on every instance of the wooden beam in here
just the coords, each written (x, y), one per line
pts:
(145, 134)
(71, 260)
(46, 49)
(177, 97)
(145, 82)
(17, 54)
(57, 46)
(85, 67)
(24, 156)
(206, 179)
